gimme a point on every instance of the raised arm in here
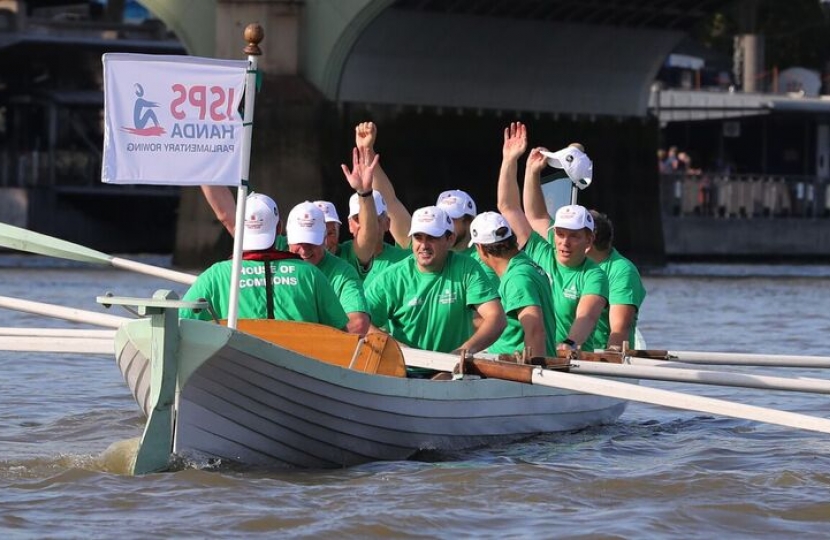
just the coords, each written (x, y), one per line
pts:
(223, 204)
(360, 179)
(515, 143)
(534, 200)
(365, 135)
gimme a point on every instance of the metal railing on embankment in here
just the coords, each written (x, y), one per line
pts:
(745, 196)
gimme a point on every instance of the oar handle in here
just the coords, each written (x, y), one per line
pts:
(60, 312)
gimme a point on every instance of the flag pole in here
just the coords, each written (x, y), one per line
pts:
(253, 35)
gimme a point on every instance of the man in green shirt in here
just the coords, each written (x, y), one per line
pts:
(427, 300)
(579, 286)
(625, 287)
(333, 224)
(462, 209)
(380, 254)
(456, 203)
(305, 231)
(626, 292)
(273, 284)
(523, 287)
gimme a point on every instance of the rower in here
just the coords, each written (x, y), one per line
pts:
(333, 224)
(625, 287)
(617, 324)
(579, 286)
(427, 300)
(523, 287)
(274, 284)
(305, 232)
(462, 209)
(368, 252)
(346, 283)
(458, 204)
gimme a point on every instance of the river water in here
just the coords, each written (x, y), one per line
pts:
(67, 422)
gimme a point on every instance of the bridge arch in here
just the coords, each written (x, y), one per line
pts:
(193, 22)
(560, 56)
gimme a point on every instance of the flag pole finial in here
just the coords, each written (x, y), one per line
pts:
(254, 34)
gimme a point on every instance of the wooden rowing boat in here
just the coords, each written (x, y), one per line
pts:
(294, 394)
(394, 417)
(319, 400)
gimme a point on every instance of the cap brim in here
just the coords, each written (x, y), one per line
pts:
(434, 233)
(313, 239)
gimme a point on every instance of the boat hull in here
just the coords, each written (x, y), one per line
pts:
(250, 401)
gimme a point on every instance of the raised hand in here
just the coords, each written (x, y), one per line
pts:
(363, 167)
(515, 141)
(365, 135)
(536, 162)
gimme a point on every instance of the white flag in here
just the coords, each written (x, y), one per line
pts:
(172, 120)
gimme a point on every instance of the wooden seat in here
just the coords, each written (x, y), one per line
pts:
(379, 354)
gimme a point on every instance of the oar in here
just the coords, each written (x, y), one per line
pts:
(631, 392)
(24, 240)
(734, 359)
(615, 389)
(642, 370)
(60, 312)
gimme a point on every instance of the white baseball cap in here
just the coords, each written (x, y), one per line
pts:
(431, 220)
(261, 218)
(306, 224)
(575, 163)
(573, 217)
(329, 211)
(354, 203)
(456, 203)
(489, 228)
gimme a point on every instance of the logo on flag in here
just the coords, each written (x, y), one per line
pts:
(143, 115)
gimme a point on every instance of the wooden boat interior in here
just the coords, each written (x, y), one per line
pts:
(378, 354)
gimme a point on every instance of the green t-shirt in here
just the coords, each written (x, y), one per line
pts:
(491, 274)
(430, 311)
(281, 243)
(300, 291)
(389, 256)
(344, 279)
(568, 286)
(624, 287)
(345, 282)
(525, 284)
(469, 251)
